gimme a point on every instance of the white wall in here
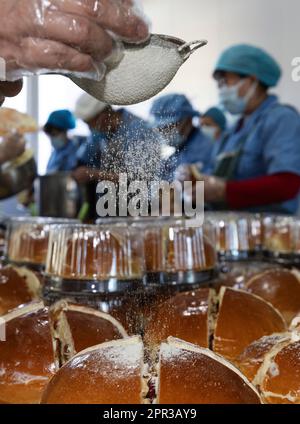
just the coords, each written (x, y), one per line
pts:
(272, 24)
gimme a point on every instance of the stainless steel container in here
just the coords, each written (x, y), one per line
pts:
(58, 195)
(16, 177)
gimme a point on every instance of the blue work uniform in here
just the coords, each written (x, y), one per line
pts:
(270, 140)
(133, 149)
(63, 159)
(197, 149)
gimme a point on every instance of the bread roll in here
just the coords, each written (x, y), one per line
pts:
(273, 364)
(280, 287)
(13, 121)
(79, 327)
(110, 373)
(17, 287)
(281, 380)
(114, 373)
(189, 374)
(186, 316)
(27, 360)
(39, 340)
(252, 358)
(243, 318)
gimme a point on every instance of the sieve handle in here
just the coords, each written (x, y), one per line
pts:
(187, 49)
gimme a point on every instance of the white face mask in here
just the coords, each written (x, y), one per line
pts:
(209, 132)
(232, 101)
(57, 142)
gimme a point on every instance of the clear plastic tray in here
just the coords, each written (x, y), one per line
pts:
(237, 236)
(93, 253)
(27, 239)
(281, 238)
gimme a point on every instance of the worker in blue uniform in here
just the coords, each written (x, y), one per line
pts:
(172, 115)
(213, 123)
(120, 142)
(256, 165)
(63, 157)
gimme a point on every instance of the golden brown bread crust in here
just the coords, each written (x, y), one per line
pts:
(192, 375)
(77, 327)
(26, 357)
(273, 365)
(185, 316)
(15, 288)
(281, 382)
(11, 120)
(90, 327)
(252, 358)
(110, 373)
(243, 318)
(280, 287)
(39, 340)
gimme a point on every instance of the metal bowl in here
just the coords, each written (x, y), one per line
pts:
(16, 177)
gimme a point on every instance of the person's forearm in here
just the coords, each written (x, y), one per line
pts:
(262, 191)
(96, 175)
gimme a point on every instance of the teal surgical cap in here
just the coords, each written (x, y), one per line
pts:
(170, 109)
(218, 116)
(62, 119)
(249, 60)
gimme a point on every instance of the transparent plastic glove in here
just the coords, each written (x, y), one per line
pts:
(65, 36)
(11, 148)
(183, 173)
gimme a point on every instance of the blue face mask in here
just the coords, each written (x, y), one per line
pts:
(232, 101)
(58, 142)
(175, 139)
(209, 132)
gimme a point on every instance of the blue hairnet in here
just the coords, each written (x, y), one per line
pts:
(62, 119)
(218, 116)
(170, 109)
(249, 60)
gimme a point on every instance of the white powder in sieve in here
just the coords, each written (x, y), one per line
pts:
(141, 74)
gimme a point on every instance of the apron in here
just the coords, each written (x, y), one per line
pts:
(228, 162)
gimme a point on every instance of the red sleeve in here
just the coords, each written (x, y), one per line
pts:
(262, 191)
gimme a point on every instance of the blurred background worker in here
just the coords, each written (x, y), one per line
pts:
(256, 165)
(63, 157)
(120, 142)
(213, 123)
(172, 115)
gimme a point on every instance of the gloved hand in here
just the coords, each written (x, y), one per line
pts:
(183, 173)
(11, 148)
(68, 36)
(214, 189)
